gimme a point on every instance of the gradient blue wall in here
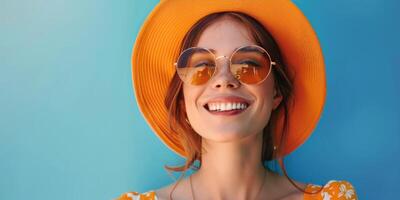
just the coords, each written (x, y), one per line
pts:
(70, 127)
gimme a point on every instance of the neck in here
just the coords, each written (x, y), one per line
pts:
(230, 170)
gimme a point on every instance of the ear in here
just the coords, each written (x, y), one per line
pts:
(276, 99)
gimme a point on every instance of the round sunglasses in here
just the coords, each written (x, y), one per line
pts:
(249, 64)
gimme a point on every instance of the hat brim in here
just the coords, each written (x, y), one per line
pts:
(158, 45)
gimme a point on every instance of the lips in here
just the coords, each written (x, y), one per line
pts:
(226, 106)
(232, 104)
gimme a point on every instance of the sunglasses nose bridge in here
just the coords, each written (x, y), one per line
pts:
(223, 68)
(219, 57)
(221, 65)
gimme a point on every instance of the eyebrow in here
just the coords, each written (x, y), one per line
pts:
(214, 51)
(247, 49)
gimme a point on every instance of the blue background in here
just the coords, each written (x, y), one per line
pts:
(70, 127)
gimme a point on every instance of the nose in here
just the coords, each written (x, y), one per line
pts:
(223, 78)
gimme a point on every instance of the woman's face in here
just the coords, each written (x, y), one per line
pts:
(224, 36)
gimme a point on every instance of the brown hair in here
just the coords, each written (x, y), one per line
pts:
(190, 140)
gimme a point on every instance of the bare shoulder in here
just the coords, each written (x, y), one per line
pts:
(163, 192)
(287, 191)
(296, 195)
(180, 191)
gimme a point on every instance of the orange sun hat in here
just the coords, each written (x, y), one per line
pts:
(158, 45)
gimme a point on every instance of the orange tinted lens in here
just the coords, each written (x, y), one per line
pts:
(250, 64)
(195, 66)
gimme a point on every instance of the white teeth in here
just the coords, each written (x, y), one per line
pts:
(229, 106)
(226, 106)
(223, 107)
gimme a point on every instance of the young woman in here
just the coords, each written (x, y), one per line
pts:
(242, 83)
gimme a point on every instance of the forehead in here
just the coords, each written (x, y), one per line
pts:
(224, 36)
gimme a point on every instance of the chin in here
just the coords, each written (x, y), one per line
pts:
(224, 136)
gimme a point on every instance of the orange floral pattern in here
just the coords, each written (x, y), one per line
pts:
(333, 190)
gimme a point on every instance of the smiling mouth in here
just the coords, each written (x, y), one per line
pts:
(231, 107)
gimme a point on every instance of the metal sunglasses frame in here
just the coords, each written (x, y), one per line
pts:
(272, 63)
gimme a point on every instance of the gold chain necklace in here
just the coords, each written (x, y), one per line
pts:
(258, 193)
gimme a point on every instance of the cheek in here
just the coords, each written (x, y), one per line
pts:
(266, 92)
(265, 96)
(189, 105)
(193, 111)
(190, 98)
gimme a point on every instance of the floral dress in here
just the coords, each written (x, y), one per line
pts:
(333, 190)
